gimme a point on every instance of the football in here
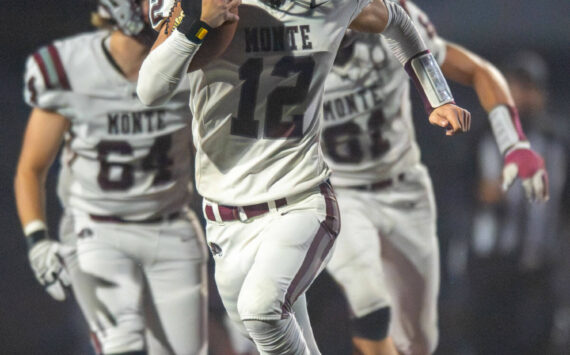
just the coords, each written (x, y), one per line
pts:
(215, 43)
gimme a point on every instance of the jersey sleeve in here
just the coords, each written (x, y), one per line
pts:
(159, 11)
(46, 84)
(426, 29)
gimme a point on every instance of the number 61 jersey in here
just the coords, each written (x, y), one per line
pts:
(120, 158)
(257, 107)
(368, 133)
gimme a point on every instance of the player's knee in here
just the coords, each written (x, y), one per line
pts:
(373, 326)
(252, 306)
(122, 340)
(363, 300)
(281, 336)
(425, 344)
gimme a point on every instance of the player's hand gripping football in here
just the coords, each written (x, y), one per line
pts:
(217, 12)
(451, 117)
(47, 263)
(523, 162)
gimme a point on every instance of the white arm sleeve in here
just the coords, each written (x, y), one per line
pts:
(164, 68)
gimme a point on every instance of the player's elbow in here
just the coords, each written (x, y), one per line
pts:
(485, 71)
(150, 98)
(152, 87)
(153, 92)
(483, 66)
(372, 19)
(27, 173)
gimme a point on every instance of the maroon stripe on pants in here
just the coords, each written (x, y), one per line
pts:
(333, 213)
(58, 67)
(318, 251)
(311, 265)
(40, 61)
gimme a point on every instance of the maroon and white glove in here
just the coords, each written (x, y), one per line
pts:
(520, 160)
(526, 164)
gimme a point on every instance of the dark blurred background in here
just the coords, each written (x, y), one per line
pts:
(490, 304)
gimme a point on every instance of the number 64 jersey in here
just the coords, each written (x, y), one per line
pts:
(120, 158)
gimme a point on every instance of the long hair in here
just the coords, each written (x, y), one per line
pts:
(101, 22)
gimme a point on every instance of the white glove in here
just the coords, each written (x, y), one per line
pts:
(49, 268)
(529, 166)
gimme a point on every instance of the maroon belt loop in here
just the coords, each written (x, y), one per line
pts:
(209, 212)
(281, 202)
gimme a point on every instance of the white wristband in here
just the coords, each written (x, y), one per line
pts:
(503, 127)
(429, 81)
(34, 226)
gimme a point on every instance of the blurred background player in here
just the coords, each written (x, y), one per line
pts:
(133, 251)
(387, 258)
(272, 218)
(516, 247)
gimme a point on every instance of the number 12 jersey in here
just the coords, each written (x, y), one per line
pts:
(257, 108)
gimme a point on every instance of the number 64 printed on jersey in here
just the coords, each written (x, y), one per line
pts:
(157, 159)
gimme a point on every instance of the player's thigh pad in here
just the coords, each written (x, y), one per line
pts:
(107, 284)
(355, 263)
(177, 302)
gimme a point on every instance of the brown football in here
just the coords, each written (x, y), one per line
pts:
(215, 43)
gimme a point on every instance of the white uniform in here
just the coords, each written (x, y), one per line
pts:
(125, 172)
(384, 192)
(257, 115)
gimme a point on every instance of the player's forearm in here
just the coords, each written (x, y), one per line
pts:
(41, 143)
(30, 195)
(164, 68)
(469, 69)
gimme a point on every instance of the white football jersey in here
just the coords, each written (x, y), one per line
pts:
(120, 158)
(257, 107)
(368, 133)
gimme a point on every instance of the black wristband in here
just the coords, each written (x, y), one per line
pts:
(195, 30)
(36, 237)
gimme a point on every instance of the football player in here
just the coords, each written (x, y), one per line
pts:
(131, 249)
(272, 216)
(386, 257)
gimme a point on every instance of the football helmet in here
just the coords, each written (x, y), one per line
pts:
(126, 14)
